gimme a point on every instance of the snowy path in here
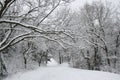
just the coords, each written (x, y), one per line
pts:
(64, 73)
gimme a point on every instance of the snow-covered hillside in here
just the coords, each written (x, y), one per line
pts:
(63, 73)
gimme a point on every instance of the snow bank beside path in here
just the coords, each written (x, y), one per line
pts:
(63, 73)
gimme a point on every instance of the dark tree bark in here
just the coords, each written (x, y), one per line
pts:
(24, 57)
(25, 62)
(3, 69)
(107, 55)
(60, 58)
(5, 6)
(96, 61)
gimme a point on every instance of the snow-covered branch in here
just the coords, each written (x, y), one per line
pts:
(99, 37)
(42, 36)
(6, 38)
(49, 13)
(5, 6)
(94, 43)
(69, 35)
(13, 40)
(36, 29)
(23, 25)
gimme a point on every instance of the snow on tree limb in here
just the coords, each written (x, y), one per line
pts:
(99, 37)
(12, 40)
(5, 6)
(94, 43)
(36, 29)
(49, 13)
(22, 24)
(5, 39)
(42, 36)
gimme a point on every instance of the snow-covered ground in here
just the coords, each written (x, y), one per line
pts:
(63, 72)
(52, 62)
(54, 71)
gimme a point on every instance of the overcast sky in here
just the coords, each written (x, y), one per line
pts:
(79, 3)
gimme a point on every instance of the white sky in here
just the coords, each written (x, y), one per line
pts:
(78, 3)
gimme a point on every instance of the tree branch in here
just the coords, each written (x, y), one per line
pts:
(46, 37)
(6, 38)
(48, 13)
(6, 5)
(11, 41)
(23, 25)
(1, 4)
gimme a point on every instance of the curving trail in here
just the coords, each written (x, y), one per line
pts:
(63, 72)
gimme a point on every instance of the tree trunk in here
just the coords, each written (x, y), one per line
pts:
(96, 60)
(40, 60)
(60, 59)
(2, 66)
(88, 61)
(25, 63)
(39, 63)
(46, 58)
(107, 55)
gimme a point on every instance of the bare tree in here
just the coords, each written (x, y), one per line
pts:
(97, 19)
(21, 24)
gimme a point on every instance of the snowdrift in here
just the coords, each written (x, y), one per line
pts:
(63, 73)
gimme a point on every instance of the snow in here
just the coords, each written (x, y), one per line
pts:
(52, 62)
(63, 72)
